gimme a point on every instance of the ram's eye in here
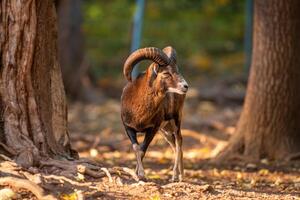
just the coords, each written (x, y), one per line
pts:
(166, 74)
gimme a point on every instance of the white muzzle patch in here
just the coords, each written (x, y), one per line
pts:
(183, 84)
(182, 88)
(175, 90)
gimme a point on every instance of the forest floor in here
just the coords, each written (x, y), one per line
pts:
(97, 133)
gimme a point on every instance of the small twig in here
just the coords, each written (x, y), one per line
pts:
(9, 167)
(26, 184)
(84, 170)
(63, 178)
(11, 164)
(36, 178)
(79, 195)
(119, 181)
(107, 174)
(131, 173)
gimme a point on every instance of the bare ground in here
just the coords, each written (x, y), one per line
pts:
(97, 133)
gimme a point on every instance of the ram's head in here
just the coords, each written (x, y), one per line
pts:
(163, 72)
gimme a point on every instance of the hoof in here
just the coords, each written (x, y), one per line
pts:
(177, 178)
(142, 178)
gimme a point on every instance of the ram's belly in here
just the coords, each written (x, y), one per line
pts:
(141, 122)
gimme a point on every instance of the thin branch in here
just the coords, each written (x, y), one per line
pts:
(131, 173)
(85, 170)
(8, 149)
(4, 157)
(107, 174)
(63, 178)
(26, 184)
(295, 156)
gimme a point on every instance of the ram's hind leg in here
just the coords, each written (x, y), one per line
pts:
(169, 137)
(138, 152)
(172, 134)
(179, 154)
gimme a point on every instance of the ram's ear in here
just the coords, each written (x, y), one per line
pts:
(171, 53)
(155, 69)
(154, 73)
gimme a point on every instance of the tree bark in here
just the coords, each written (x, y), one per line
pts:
(33, 105)
(269, 125)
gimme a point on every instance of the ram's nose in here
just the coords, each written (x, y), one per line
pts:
(185, 87)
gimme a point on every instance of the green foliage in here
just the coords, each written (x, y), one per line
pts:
(207, 34)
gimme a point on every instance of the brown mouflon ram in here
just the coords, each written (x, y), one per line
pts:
(154, 101)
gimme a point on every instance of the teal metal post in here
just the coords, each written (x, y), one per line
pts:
(137, 30)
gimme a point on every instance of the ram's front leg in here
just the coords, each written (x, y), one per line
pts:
(139, 154)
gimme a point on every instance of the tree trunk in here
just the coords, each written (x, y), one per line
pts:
(33, 110)
(269, 125)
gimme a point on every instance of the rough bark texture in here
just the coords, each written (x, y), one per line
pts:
(269, 125)
(33, 106)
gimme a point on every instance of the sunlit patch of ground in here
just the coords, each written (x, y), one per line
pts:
(97, 133)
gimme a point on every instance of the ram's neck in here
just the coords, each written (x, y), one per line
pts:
(149, 98)
(141, 104)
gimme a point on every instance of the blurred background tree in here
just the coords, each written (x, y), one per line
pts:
(70, 41)
(71, 52)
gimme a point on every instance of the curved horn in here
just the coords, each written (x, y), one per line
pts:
(149, 53)
(171, 53)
